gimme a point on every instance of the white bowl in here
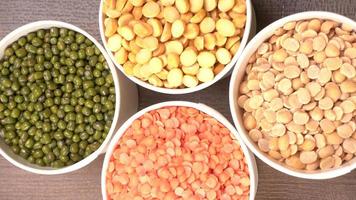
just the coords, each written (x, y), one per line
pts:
(125, 104)
(238, 75)
(250, 29)
(252, 167)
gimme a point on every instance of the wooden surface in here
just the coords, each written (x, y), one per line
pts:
(85, 183)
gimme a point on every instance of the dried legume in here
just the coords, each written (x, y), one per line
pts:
(177, 153)
(57, 97)
(190, 35)
(306, 75)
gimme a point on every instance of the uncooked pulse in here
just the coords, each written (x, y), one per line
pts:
(177, 153)
(299, 95)
(191, 40)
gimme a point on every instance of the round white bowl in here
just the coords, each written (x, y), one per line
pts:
(250, 29)
(252, 167)
(123, 106)
(238, 75)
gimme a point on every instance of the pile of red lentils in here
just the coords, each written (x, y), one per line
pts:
(177, 153)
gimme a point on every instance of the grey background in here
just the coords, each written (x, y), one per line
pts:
(85, 183)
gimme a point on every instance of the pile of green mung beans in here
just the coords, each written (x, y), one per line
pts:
(57, 97)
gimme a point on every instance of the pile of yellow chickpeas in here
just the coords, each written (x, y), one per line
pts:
(174, 43)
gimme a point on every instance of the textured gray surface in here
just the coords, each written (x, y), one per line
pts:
(85, 183)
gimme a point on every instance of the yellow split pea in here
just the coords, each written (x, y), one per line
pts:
(299, 95)
(175, 43)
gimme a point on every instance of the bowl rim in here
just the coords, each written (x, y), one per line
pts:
(46, 24)
(228, 68)
(239, 70)
(249, 157)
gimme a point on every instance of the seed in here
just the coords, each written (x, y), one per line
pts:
(283, 116)
(256, 101)
(211, 181)
(327, 126)
(278, 130)
(350, 52)
(175, 77)
(300, 117)
(303, 60)
(182, 6)
(326, 103)
(190, 81)
(156, 65)
(142, 29)
(320, 140)
(344, 131)
(280, 55)
(207, 25)
(290, 44)
(114, 42)
(348, 70)
(191, 31)
(255, 134)
(196, 5)
(205, 75)
(307, 145)
(303, 95)
(333, 138)
(293, 102)
(347, 106)
(151, 9)
(308, 157)
(198, 16)
(306, 47)
(188, 57)
(209, 41)
(170, 14)
(155, 80)
(223, 56)
(110, 27)
(126, 32)
(206, 59)
(326, 26)
(349, 145)
(348, 86)
(327, 163)
(225, 27)
(295, 162)
(283, 143)
(121, 56)
(326, 151)
(249, 122)
(324, 75)
(178, 28)
(263, 145)
(292, 71)
(284, 85)
(332, 51)
(226, 5)
(150, 43)
(319, 43)
(191, 70)
(332, 63)
(143, 56)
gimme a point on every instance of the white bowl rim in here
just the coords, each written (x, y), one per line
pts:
(33, 26)
(248, 51)
(250, 160)
(228, 68)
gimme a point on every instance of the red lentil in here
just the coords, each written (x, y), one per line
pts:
(177, 153)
